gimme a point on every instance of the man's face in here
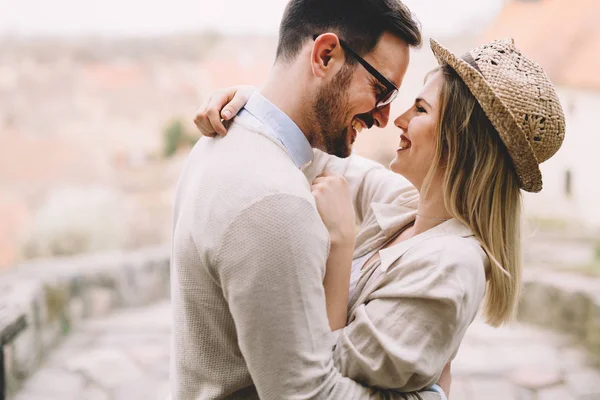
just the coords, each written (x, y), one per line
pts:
(347, 104)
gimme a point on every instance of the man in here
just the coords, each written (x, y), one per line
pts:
(249, 248)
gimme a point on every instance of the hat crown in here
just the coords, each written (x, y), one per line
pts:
(527, 92)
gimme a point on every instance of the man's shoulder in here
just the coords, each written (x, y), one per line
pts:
(245, 146)
(249, 158)
(233, 172)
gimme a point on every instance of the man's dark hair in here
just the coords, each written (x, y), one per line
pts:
(360, 23)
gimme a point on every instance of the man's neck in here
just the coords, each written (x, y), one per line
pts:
(284, 89)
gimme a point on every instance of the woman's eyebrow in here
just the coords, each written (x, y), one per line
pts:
(422, 100)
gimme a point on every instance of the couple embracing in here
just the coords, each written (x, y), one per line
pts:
(275, 292)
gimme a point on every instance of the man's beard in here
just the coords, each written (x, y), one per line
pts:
(330, 111)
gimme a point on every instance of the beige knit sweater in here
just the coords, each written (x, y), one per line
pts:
(248, 261)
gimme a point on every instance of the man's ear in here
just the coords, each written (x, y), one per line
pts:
(327, 56)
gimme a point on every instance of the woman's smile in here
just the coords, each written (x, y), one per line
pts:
(405, 143)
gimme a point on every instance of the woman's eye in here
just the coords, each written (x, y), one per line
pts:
(420, 109)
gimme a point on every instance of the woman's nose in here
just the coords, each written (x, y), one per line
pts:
(403, 120)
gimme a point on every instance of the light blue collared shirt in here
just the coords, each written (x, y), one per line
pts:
(281, 127)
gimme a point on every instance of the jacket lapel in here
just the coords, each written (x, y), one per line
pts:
(391, 217)
(449, 228)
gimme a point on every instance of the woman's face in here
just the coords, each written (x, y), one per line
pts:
(417, 126)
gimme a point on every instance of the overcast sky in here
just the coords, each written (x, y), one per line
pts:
(154, 17)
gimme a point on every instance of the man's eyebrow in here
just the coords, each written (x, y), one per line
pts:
(379, 85)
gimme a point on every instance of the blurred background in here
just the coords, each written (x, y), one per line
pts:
(97, 100)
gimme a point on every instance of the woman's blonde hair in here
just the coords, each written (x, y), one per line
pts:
(481, 189)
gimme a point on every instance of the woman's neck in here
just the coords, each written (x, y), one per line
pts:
(431, 210)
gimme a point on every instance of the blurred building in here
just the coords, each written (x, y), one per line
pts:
(564, 38)
(86, 116)
(82, 125)
(91, 113)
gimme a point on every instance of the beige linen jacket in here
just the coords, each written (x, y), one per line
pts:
(409, 311)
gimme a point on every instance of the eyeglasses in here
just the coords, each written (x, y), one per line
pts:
(391, 91)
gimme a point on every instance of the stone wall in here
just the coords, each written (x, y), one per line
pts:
(565, 302)
(54, 295)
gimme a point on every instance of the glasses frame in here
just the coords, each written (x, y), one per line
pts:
(391, 90)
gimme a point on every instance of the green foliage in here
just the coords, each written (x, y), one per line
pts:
(174, 137)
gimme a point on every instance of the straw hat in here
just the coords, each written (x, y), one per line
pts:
(518, 98)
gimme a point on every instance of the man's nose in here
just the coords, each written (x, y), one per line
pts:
(381, 116)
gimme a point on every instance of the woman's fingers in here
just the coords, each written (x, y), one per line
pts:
(237, 102)
(323, 177)
(217, 102)
(208, 117)
(203, 122)
(214, 119)
(222, 105)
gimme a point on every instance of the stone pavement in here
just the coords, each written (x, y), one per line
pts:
(126, 356)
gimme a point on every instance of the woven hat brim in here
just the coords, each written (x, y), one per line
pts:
(512, 135)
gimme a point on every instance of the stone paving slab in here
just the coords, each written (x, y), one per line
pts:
(126, 356)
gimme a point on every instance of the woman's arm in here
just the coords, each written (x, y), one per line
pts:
(332, 198)
(337, 282)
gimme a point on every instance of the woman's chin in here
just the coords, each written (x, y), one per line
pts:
(399, 167)
(396, 165)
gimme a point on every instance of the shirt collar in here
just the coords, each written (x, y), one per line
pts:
(391, 217)
(280, 126)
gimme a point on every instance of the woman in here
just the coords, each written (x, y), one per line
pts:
(429, 249)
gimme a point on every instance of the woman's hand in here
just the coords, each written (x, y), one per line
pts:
(222, 104)
(335, 207)
(334, 204)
